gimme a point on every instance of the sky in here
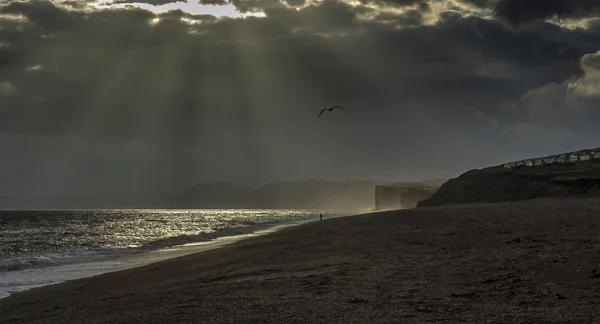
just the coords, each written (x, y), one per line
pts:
(151, 97)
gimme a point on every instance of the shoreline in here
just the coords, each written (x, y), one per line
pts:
(74, 271)
(149, 257)
(535, 261)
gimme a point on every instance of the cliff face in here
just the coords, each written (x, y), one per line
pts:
(498, 184)
(401, 196)
(411, 199)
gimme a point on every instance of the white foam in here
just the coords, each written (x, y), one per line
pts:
(17, 281)
(141, 259)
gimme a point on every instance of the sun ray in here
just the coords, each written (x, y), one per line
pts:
(87, 117)
(239, 106)
(357, 61)
(262, 113)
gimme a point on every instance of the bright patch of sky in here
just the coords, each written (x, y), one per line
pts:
(192, 7)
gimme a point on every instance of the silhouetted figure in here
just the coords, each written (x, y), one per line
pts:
(321, 216)
(330, 109)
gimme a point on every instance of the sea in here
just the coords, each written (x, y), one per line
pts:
(40, 248)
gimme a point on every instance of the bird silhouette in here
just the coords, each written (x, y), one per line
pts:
(329, 109)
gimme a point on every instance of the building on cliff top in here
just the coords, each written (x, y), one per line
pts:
(570, 157)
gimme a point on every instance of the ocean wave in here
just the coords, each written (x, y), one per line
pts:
(74, 232)
(202, 237)
(34, 261)
(25, 263)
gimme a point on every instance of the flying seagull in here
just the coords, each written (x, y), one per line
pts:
(329, 109)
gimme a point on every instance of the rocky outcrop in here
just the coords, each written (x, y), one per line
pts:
(497, 184)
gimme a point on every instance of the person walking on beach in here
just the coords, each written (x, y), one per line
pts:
(321, 216)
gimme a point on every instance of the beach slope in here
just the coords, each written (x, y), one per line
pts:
(534, 261)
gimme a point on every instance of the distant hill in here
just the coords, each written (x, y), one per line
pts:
(310, 194)
(98, 201)
(498, 184)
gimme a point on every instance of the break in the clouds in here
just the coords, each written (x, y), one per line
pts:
(431, 88)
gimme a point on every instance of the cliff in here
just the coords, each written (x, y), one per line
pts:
(498, 184)
(402, 196)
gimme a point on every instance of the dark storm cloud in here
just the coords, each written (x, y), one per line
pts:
(41, 13)
(517, 11)
(259, 5)
(114, 76)
(9, 55)
(256, 5)
(244, 91)
(559, 111)
(245, 6)
(178, 14)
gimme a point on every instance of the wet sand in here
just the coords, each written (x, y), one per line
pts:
(526, 262)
